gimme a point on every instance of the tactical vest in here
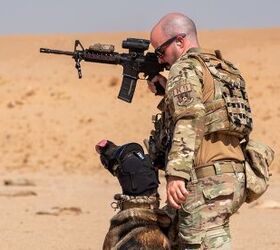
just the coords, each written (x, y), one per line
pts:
(229, 112)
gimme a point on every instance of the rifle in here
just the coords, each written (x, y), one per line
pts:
(133, 62)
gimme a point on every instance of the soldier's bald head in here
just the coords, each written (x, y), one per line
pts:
(174, 23)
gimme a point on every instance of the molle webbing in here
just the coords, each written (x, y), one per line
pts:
(229, 112)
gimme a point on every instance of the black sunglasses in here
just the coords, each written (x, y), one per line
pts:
(159, 51)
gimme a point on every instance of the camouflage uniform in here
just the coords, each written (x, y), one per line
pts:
(203, 140)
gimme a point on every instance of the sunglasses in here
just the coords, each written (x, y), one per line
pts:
(160, 50)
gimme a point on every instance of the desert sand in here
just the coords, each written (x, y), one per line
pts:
(54, 193)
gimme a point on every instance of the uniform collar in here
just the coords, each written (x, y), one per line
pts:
(194, 50)
(216, 53)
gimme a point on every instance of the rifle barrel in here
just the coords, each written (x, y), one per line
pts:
(54, 51)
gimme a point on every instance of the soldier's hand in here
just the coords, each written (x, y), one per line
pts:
(176, 191)
(158, 78)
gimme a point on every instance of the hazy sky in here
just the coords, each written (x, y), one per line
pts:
(61, 16)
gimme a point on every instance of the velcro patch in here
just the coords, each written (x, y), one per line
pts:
(182, 96)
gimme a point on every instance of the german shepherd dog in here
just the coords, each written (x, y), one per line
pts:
(139, 224)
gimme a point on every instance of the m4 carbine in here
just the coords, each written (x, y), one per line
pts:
(133, 62)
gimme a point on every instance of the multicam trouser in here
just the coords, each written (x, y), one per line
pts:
(204, 218)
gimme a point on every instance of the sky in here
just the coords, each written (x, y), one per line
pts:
(87, 16)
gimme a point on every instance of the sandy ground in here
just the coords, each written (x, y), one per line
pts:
(51, 120)
(72, 211)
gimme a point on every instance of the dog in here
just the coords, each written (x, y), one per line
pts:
(139, 224)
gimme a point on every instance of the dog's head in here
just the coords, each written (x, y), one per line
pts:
(108, 151)
(133, 168)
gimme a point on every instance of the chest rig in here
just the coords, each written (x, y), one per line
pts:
(229, 112)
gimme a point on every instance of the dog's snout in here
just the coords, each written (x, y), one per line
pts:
(101, 145)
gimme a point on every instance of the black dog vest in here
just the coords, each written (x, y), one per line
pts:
(134, 169)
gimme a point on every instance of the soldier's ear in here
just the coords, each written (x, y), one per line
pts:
(180, 42)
